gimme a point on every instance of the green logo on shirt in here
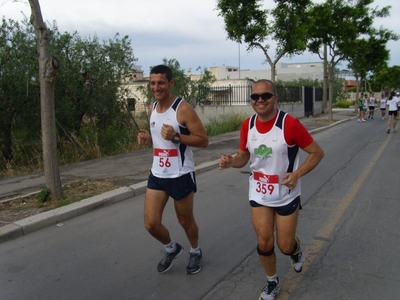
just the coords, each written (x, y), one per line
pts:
(262, 151)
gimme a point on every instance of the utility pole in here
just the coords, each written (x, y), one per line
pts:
(325, 82)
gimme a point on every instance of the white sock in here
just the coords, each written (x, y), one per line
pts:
(273, 278)
(171, 247)
(197, 250)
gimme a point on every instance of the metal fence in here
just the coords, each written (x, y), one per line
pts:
(240, 95)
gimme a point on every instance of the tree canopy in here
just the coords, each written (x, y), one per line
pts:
(88, 85)
(345, 26)
(247, 21)
(19, 91)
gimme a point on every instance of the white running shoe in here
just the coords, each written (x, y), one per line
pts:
(297, 261)
(270, 290)
(299, 258)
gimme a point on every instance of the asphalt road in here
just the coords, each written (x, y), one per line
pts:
(349, 227)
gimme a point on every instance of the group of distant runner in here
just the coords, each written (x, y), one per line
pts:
(389, 101)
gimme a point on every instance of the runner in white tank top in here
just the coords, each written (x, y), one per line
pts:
(371, 106)
(170, 160)
(271, 158)
(270, 140)
(383, 105)
(175, 128)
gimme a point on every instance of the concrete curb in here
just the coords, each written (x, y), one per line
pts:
(55, 216)
(330, 125)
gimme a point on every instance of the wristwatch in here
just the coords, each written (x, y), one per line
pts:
(177, 138)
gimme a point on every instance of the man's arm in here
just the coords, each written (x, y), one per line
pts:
(144, 137)
(239, 161)
(315, 154)
(187, 116)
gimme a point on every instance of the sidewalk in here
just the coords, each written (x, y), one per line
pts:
(124, 169)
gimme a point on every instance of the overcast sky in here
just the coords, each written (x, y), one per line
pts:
(189, 31)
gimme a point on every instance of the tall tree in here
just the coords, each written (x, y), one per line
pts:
(88, 87)
(247, 21)
(48, 67)
(370, 54)
(387, 78)
(338, 24)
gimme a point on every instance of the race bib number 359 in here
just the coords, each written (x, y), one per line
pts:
(265, 188)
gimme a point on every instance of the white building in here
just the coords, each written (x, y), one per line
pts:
(229, 80)
(284, 72)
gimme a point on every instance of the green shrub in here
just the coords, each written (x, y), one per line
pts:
(224, 124)
(91, 143)
(44, 195)
(342, 104)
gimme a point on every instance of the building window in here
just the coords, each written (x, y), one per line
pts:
(131, 104)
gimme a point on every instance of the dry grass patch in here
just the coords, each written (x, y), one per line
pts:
(21, 208)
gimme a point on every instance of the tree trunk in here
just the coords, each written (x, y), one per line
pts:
(325, 82)
(331, 75)
(357, 93)
(48, 67)
(6, 141)
(273, 72)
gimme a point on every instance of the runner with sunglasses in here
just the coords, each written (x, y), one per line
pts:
(271, 140)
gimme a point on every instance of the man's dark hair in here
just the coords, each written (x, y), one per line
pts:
(162, 69)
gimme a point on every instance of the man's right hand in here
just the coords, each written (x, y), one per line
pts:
(143, 137)
(225, 162)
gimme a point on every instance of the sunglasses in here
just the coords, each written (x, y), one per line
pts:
(264, 96)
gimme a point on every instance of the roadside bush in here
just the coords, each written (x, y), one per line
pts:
(92, 143)
(225, 123)
(44, 195)
(342, 104)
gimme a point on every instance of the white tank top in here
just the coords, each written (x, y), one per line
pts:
(372, 101)
(169, 160)
(383, 102)
(270, 159)
(392, 104)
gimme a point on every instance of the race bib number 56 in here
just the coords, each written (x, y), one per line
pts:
(166, 161)
(264, 188)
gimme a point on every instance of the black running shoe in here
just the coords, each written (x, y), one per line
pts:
(166, 262)
(194, 264)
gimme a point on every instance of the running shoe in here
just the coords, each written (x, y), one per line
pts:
(270, 290)
(194, 263)
(166, 262)
(388, 130)
(298, 259)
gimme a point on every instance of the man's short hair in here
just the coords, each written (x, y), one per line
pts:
(162, 69)
(267, 81)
